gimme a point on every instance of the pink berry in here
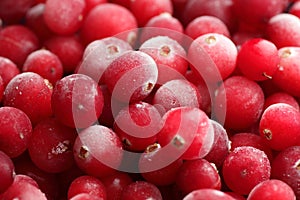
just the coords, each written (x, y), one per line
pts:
(258, 59)
(244, 168)
(208, 194)
(77, 101)
(64, 17)
(7, 172)
(132, 76)
(141, 190)
(98, 151)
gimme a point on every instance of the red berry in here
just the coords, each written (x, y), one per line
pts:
(51, 145)
(283, 130)
(64, 17)
(16, 130)
(258, 59)
(243, 100)
(131, 76)
(17, 42)
(141, 190)
(87, 184)
(272, 189)
(281, 97)
(77, 101)
(98, 151)
(30, 93)
(90, 4)
(208, 194)
(44, 63)
(8, 70)
(106, 20)
(244, 168)
(85, 196)
(7, 172)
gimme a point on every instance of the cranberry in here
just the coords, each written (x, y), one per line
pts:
(51, 146)
(98, 151)
(2, 87)
(141, 190)
(17, 42)
(85, 196)
(77, 101)
(283, 131)
(30, 93)
(7, 172)
(90, 4)
(206, 24)
(244, 168)
(8, 70)
(169, 56)
(15, 132)
(244, 102)
(197, 174)
(272, 189)
(64, 17)
(186, 132)
(87, 184)
(258, 59)
(132, 76)
(285, 167)
(136, 125)
(44, 63)
(281, 97)
(144, 10)
(207, 194)
(104, 21)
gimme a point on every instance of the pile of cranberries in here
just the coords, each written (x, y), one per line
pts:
(149, 99)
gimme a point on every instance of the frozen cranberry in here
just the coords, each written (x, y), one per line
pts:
(106, 20)
(284, 30)
(68, 49)
(98, 151)
(281, 97)
(285, 167)
(136, 125)
(206, 24)
(23, 187)
(16, 129)
(51, 146)
(258, 59)
(77, 101)
(13, 12)
(85, 196)
(45, 63)
(7, 172)
(220, 49)
(240, 37)
(283, 130)
(30, 93)
(261, 14)
(208, 194)
(132, 76)
(152, 169)
(99, 54)
(197, 174)
(244, 168)
(115, 184)
(87, 184)
(34, 19)
(8, 70)
(221, 9)
(244, 102)
(144, 10)
(272, 189)
(177, 93)
(169, 56)
(288, 71)
(17, 42)
(221, 145)
(141, 190)
(250, 139)
(90, 4)
(163, 24)
(186, 132)
(64, 17)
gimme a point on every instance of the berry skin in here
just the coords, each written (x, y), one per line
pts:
(8, 70)
(131, 77)
(258, 59)
(208, 194)
(272, 190)
(244, 168)
(7, 172)
(98, 151)
(141, 190)
(77, 101)
(281, 97)
(283, 130)
(243, 100)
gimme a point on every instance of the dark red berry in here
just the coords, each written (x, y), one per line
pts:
(208, 194)
(7, 172)
(281, 97)
(141, 190)
(8, 70)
